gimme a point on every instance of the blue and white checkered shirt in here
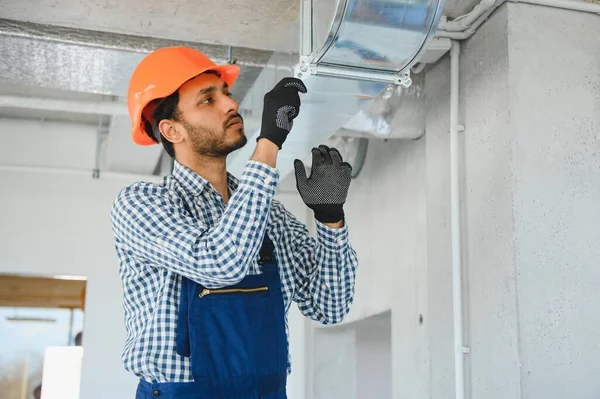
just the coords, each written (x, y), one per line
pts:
(182, 227)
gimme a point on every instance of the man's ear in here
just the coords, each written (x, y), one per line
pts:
(170, 130)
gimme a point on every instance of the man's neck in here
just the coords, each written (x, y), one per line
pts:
(214, 170)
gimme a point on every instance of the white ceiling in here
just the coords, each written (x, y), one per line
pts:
(257, 24)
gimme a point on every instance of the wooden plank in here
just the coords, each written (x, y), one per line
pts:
(40, 292)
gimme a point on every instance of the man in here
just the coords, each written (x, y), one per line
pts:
(210, 264)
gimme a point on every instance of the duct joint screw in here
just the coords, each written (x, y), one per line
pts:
(405, 80)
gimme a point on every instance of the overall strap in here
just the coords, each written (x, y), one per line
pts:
(182, 333)
(267, 258)
(266, 251)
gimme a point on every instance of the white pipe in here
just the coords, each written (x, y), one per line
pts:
(573, 5)
(462, 23)
(62, 105)
(448, 29)
(417, 69)
(457, 291)
(472, 29)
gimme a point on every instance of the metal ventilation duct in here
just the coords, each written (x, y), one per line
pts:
(97, 62)
(368, 45)
(374, 40)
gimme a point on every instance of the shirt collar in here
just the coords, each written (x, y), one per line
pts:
(194, 183)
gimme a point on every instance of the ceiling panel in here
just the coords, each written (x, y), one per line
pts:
(260, 24)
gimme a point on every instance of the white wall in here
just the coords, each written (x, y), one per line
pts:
(335, 364)
(353, 360)
(59, 225)
(556, 170)
(374, 358)
(42, 144)
(532, 117)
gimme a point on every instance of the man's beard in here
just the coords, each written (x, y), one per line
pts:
(211, 142)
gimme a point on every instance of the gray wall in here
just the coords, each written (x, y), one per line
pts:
(555, 106)
(530, 103)
(491, 311)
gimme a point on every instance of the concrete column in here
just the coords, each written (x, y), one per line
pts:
(554, 79)
(489, 242)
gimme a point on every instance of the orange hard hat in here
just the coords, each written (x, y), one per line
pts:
(159, 75)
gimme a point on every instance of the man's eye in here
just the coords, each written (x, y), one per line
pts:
(229, 95)
(209, 100)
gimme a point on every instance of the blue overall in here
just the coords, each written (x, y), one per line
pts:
(235, 338)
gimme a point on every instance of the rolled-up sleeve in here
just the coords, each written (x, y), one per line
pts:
(152, 223)
(323, 268)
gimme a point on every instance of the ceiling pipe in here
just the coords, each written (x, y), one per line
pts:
(573, 5)
(464, 27)
(464, 22)
(466, 34)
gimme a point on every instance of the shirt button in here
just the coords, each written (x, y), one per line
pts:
(156, 393)
(340, 240)
(268, 180)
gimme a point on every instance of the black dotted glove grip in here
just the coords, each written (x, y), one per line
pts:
(281, 107)
(326, 189)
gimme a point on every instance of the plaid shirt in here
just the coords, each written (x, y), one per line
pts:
(182, 227)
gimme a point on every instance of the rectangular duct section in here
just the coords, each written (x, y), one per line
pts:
(366, 55)
(97, 62)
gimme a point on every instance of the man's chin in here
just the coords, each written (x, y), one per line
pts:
(243, 140)
(240, 142)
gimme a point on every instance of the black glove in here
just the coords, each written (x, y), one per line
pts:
(326, 189)
(282, 105)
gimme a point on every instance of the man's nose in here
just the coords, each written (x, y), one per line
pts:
(230, 104)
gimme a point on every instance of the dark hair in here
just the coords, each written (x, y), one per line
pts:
(166, 109)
